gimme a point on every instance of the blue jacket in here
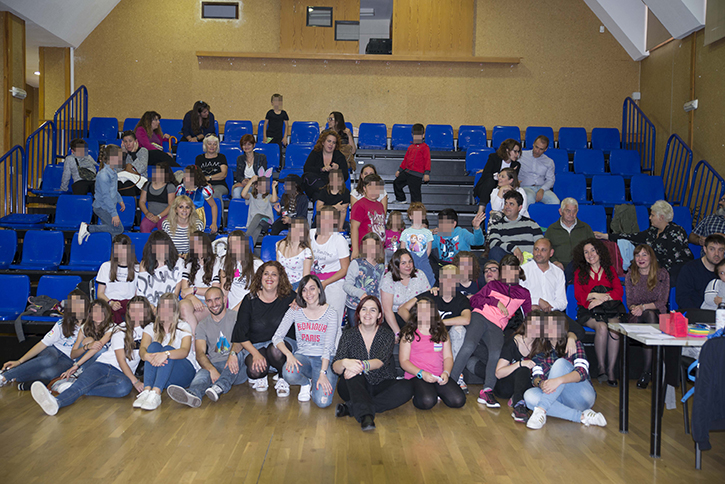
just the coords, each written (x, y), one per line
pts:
(460, 239)
(107, 195)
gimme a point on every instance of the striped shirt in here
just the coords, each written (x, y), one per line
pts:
(544, 361)
(181, 236)
(520, 233)
(314, 337)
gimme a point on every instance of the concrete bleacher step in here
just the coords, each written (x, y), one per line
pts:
(434, 195)
(400, 154)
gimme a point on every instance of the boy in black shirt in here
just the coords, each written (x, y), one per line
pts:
(274, 128)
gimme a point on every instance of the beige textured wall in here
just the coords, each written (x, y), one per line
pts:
(54, 79)
(141, 57)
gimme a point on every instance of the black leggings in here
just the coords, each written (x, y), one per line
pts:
(362, 398)
(425, 395)
(514, 385)
(82, 187)
(158, 156)
(275, 358)
(278, 226)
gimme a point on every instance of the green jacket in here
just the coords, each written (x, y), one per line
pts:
(563, 242)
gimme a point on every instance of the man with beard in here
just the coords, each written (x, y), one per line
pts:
(712, 224)
(213, 347)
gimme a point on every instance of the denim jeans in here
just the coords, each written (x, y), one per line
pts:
(237, 192)
(423, 264)
(309, 369)
(549, 197)
(174, 372)
(226, 379)
(568, 401)
(46, 366)
(105, 222)
(98, 380)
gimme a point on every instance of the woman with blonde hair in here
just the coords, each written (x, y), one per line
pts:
(214, 166)
(181, 223)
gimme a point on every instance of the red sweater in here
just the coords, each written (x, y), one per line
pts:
(582, 291)
(417, 159)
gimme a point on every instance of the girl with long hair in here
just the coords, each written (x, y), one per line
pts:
(106, 196)
(324, 157)
(293, 204)
(200, 273)
(508, 180)
(183, 220)
(196, 187)
(357, 191)
(294, 251)
(336, 195)
(156, 198)
(237, 269)
(160, 270)
(331, 259)
(260, 194)
(117, 278)
(198, 123)
(149, 135)
(364, 275)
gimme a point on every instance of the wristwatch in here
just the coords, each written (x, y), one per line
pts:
(420, 374)
(324, 372)
(168, 354)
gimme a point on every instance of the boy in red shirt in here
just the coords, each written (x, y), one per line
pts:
(415, 168)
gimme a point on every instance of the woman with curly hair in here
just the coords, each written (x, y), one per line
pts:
(201, 273)
(259, 316)
(323, 158)
(597, 290)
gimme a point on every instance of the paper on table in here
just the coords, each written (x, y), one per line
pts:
(640, 328)
(660, 335)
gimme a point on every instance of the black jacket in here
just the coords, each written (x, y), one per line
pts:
(708, 407)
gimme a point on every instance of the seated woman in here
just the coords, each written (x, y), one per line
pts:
(364, 275)
(294, 253)
(113, 373)
(167, 353)
(364, 363)
(323, 158)
(471, 279)
(400, 284)
(237, 269)
(196, 188)
(426, 357)
(562, 388)
(667, 239)
(117, 278)
(149, 135)
(357, 191)
(248, 165)
(648, 290)
(259, 316)
(156, 198)
(506, 156)
(596, 285)
(336, 122)
(293, 204)
(214, 166)
(51, 356)
(160, 270)
(182, 221)
(316, 325)
(200, 273)
(508, 180)
(331, 258)
(198, 123)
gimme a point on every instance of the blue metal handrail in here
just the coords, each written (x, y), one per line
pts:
(638, 133)
(71, 121)
(707, 188)
(676, 170)
(11, 175)
(39, 152)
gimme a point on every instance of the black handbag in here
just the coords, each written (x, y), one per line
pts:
(608, 309)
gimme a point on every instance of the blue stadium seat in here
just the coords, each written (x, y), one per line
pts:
(683, 218)
(647, 189)
(595, 216)
(544, 215)
(260, 131)
(642, 217)
(172, 127)
(439, 137)
(231, 168)
(608, 190)
(105, 129)
(139, 240)
(533, 132)
(605, 139)
(56, 287)
(348, 125)
(502, 133)
(93, 145)
(304, 132)
(128, 216)
(129, 124)
(24, 221)
(572, 139)
(589, 162)
(207, 212)
(234, 130)
(673, 300)
(42, 251)
(296, 156)
(88, 257)
(625, 162)
(50, 184)
(372, 136)
(561, 159)
(70, 211)
(269, 244)
(476, 159)
(237, 215)
(16, 290)
(571, 185)
(470, 137)
(401, 136)
(187, 152)
(271, 151)
(8, 247)
(231, 151)
(571, 307)
(283, 174)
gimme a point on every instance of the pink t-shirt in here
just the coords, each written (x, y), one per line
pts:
(371, 215)
(426, 355)
(391, 237)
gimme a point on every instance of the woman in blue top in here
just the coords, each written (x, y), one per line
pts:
(106, 196)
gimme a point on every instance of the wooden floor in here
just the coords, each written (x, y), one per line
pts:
(251, 437)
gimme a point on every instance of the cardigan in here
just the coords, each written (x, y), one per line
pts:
(352, 345)
(315, 163)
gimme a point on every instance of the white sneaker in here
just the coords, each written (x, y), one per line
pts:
(590, 417)
(3, 381)
(282, 388)
(44, 398)
(305, 393)
(260, 384)
(152, 401)
(141, 398)
(213, 393)
(180, 395)
(83, 233)
(537, 419)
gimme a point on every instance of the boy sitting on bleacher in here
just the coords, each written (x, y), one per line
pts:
(81, 167)
(415, 168)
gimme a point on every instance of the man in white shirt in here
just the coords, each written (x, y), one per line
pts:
(537, 174)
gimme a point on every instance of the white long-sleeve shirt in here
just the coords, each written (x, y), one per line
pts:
(539, 172)
(549, 286)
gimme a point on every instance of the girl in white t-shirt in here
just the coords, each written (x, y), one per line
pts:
(294, 253)
(93, 336)
(200, 273)
(117, 278)
(112, 374)
(508, 180)
(331, 259)
(160, 270)
(237, 269)
(167, 353)
(50, 356)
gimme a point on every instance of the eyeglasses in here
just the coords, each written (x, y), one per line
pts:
(491, 269)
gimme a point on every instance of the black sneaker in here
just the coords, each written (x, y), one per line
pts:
(486, 397)
(644, 380)
(520, 413)
(368, 423)
(341, 410)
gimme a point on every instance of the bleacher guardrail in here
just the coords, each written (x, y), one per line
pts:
(71, 121)
(39, 152)
(676, 170)
(638, 133)
(705, 192)
(12, 176)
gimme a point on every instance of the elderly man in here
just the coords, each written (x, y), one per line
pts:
(565, 234)
(712, 224)
(537, 174)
